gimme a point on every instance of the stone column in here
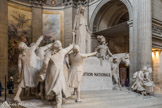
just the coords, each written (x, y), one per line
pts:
(132, 50)
(3, 39)
(37, 24)
(70, 11)
(141, 41)
(144, 28)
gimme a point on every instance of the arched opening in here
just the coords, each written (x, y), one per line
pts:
(111, 21)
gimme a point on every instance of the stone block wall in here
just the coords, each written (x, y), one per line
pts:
(3, 39)
(156, 7)
(36, 23)
(69, 17)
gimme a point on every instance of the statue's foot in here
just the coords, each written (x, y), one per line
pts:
(63, 100)
(17, 99)
(58, 106)
(41, 96)
(78, 100)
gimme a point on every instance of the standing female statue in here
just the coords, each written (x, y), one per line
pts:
(81, 32)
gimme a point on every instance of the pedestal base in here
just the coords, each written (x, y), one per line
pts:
(97, 74)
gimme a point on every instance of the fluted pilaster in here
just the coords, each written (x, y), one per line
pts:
(141, 40)
(144, 33)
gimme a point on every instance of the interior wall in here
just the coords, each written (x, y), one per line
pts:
(3, 40)
(156, 7)
(119, 44)
(19, 29)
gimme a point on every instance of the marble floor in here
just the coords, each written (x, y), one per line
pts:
(98, 99)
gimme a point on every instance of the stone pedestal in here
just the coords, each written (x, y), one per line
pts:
(3, 39)
(96, 76)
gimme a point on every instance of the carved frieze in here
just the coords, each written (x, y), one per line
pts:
(37, 2)
(156, 30)
(75, 2)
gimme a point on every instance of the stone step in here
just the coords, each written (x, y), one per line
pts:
(126, 104)
(139, 103)
(115, 101)
(105, 93)
(153, 106)
(106, 98)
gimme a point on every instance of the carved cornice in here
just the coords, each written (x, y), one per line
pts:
(37, 3)
(75, 2)
(157, 31)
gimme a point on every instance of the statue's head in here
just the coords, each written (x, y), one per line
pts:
(76, 48)
(149, 70)
(57, 44)
(101, 39)
(81, 9)
(22, 46)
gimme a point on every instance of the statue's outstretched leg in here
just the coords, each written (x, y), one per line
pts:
(75, 90)
(78, 95)
(17, 97)
(59, 100)
(41, 94)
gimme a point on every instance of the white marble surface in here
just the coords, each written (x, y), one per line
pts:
(99, 75)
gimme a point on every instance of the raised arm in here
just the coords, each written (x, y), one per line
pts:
(88, 55)
(75, 23)
(38, 42)
(74, 30)
(68, 49)
(47, 46)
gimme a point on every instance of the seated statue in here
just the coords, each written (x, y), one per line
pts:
(103, 49)
(148, 83)
(142, 80)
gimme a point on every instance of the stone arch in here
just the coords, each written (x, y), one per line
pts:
(103, 6)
